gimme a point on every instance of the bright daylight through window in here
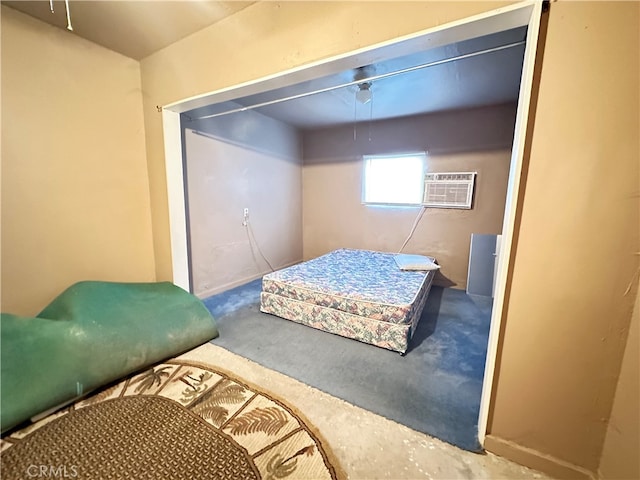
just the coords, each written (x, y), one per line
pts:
(393, 179)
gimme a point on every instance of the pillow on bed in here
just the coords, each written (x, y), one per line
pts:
(415, 262)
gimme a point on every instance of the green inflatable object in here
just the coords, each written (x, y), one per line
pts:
(93, 334)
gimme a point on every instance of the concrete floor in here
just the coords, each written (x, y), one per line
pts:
(367, 445)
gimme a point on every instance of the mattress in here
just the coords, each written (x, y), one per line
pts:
(359, 294)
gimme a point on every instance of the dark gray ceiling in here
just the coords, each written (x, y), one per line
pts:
(486, 79)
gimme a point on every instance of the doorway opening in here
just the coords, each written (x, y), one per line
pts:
(521, 20)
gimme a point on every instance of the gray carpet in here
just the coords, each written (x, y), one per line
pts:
(435, 388)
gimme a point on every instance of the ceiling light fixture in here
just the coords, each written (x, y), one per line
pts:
(364, 94)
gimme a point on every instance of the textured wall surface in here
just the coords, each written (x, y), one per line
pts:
(75, 188)
(567, 315)
(622, 443)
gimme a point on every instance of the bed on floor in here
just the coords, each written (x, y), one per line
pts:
(359, 294)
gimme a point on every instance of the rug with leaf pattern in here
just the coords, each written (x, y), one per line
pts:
(177, 420)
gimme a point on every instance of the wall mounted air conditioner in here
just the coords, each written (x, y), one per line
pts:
(449, 190)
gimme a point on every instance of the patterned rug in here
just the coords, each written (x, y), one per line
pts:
(177, 420)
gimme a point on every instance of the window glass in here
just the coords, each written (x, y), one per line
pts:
(393, 179)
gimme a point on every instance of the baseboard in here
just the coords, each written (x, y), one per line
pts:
(236, 283)
(536, 460)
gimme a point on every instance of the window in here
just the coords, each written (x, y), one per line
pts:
(393, 179)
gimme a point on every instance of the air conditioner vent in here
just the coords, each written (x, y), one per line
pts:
(448, 190)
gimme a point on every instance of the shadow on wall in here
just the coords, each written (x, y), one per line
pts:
(457, 131)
